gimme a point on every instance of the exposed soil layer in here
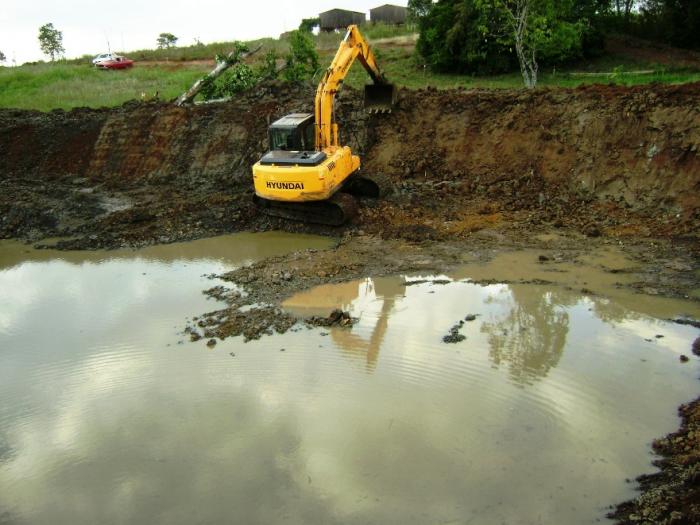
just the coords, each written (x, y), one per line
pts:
(601, 160)
(473, 172)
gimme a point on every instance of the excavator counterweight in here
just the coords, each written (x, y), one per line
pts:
(307, 175)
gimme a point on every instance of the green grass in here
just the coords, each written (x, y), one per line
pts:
(197, 52)
(45, 87)
(66, 85)
(371, 32)
(403, 69)
(209, 51)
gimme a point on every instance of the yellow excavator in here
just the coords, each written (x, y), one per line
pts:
(307, 175)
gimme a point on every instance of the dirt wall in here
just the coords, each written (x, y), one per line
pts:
(640, 145)
(138, 143)
(550, 150)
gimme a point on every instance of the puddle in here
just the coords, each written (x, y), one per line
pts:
(603, 273)
(229, 251)
(537, 416)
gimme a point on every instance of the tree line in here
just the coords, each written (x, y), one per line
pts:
(674, 22)
(51, 42)
(498, 36)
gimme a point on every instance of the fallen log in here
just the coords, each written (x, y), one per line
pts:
(234, 57)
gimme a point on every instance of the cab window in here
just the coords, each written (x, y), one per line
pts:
(282, 139)
(309, 137)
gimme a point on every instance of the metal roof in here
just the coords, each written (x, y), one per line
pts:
(389, 5)
(292, 120)
(342, 10)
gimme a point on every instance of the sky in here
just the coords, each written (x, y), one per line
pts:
(135, 24)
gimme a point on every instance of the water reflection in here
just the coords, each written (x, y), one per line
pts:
(384, 292)
(106, 419)
(530, 335)
(526, 326)
(371, 299)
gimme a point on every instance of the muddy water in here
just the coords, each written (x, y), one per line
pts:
(538, 416)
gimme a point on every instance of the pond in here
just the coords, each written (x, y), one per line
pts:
(537, 415)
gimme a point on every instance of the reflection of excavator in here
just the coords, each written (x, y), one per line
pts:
(300, 177)
(361, 295)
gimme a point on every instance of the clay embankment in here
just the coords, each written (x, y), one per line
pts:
(601, 160)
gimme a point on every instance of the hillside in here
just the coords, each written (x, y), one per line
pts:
(165, 73)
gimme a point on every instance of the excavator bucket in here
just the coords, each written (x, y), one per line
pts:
(379, 98)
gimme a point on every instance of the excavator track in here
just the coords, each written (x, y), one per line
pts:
(374, 186)
(337, 210)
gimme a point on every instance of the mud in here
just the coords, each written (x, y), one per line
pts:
(591, 266)
(672, 495)
(474, 174)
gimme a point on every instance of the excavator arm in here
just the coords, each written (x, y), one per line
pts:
(379, 96)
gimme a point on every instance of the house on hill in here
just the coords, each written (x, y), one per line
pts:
(340, 19)
(389, 14)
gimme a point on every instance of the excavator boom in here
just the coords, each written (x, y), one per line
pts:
(379, 96)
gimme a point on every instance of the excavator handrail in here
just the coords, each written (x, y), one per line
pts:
(353, 46)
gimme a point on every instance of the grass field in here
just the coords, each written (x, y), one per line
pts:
(45, 87)
(169, 72)
(403, 67)
(209, 51)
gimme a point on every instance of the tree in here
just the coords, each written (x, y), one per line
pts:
(308, 24)
(268, 70)
(302, 60)
(462, 36)
(496, 36)
(216, 85)
(676, 22)
(547, 28)
(525, 26)
(417, 9)
(166, 40)
(51, 41)
(624, 7)
(2, 57)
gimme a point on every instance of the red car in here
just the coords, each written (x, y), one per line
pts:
(115, 62)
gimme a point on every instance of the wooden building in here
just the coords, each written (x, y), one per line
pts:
(340, 19)
(389, 14)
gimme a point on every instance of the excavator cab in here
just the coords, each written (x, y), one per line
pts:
(294, 132)
(291, 141)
